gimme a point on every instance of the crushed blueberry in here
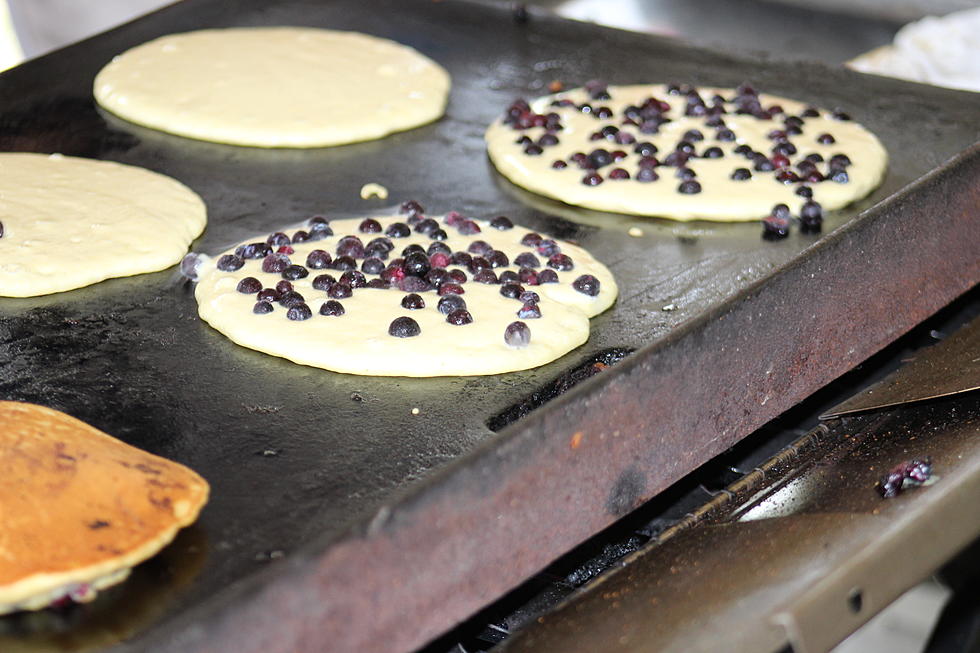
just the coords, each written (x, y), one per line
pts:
(404, 327)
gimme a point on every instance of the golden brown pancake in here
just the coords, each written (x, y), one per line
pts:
(79, 508)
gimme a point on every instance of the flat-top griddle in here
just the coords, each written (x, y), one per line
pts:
(339, 518)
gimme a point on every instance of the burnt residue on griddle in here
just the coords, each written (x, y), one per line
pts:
(558, 386)
(627, 492)
(70, 126)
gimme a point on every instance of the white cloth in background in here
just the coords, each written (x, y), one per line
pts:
(941, 51)
(45, 25)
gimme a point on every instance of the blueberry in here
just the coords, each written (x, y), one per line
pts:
(438, 234)
(381, 243)
(558, 164)
(344, 263)
(339, 291)
(547, 276)
(450, 288)
(299, 312)
(318, 260)
(826, 139)
(372, 265)
(498, 259)
(645, 148)
(332, 307)
(527, 276)
(511, 290)
(713, 153)
(508, 276)
(450, 303)
(416, 264)
(527, 260)
(840, 176)
(411, 207)
(262, 307)
(587, 285)
(517, 335)
(300, 236)
(478, 263)
(781, 211)
(531, 239)
(290, 298)
(529, 311)
(548, 247)
(839, 161)
(480, 248)
(249, 286)
(839, 115)
(810, 112)
(618, 173)
(414, 284)
(763, 164)
(398, 230)
(774, 227)
(547, 140)
(294, 272)
(438, 248)
(786, 149)
(254, 250)
(378, 284)
(268, 295)
(529, 297)
(599, 158)
(685, 174)
(350, 246)
(461, 258)
(804, 191)
(486, 275)
(283, 287)
(741, 174)
(533, 150)
(274, 263)
(404, 327)
(413, 302)
(502, 223)
(230, 263)
(459, 317)
(725, 135)
(369, 226)
(319, 231)
(689, 187)
(437, 276)
(440, 260)
(323, 282)
(693, 136)
(278, 239)
(426, 226)
(353, 278)
(811, 216)
(561, 262)
(647, 175)
(468, 228)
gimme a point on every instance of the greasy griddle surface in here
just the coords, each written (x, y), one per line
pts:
(294, 453)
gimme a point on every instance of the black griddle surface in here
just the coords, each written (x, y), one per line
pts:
(298, 455)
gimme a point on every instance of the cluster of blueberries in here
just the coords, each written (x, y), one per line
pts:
(416, 271)
(650, 115)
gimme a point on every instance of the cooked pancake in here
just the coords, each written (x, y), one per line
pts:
(79, 508)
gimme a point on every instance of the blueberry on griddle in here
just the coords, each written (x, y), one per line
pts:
(517, 335)
(449, 303)
(811, 216)
(502, 223)
(587, 285)
(226, 263)
(775, 227)
(332, 307)
(249, 286)
(413, 302)
(459, 317)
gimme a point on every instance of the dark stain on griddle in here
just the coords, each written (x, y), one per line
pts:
(70, 126)
(627, 492)
(563, 229)
(558, 386)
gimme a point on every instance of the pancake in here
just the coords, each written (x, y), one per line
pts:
(274, 86)
(79, 508)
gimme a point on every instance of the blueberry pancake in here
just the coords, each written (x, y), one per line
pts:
(676, 151)
(406, 295)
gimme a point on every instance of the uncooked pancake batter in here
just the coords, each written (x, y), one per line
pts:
(274, 86)
(67, 222)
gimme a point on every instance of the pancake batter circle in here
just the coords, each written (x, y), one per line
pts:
(274, 86)
(359, 312)
(68, 222)
(685, 153)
